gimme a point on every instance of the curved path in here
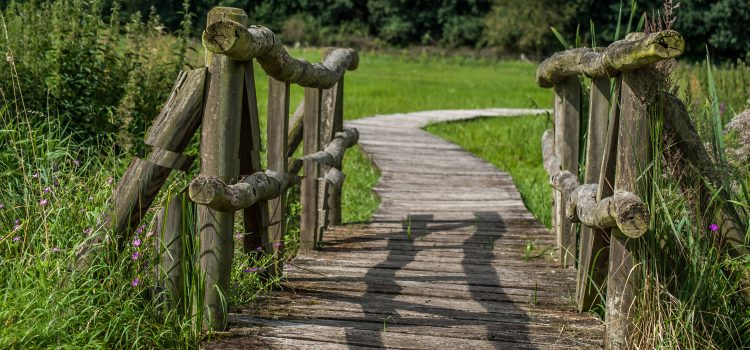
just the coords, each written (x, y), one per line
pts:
(452, 259)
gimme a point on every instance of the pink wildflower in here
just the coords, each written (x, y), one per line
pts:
(713, 227)
(250, 270)
(238, 236)
(136, 242)
(17, 239)
(135, 282)
(35, 175)
(47, 189)
(150, 234)
(276, 245)
(56, 250)
(135, 255)
(76, 162)
(43, 202)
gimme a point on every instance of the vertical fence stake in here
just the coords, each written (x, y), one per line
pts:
(593, 248)
(169, 229)
(334, 194)
(309, 192)
(567, 115)
(278, 127)
(220, 135)
(633, 156)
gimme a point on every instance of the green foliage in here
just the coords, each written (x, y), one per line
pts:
(524, 26)
(101, 77)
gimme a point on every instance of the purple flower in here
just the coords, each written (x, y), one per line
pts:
(250, 270)
(136, 242)
(135, 282)
(43, 202)
(17, 222)
(17, 239)
(238, 236)
(35, 175)
(16, 227)
(713, 227)
(56, 250)
(150, 234)
(2, 206)
(135, 255)
(47, 189)
(139, 230)
(110, 180)
(276, 245)
(259, 248)
(76, 162)
(87, 230)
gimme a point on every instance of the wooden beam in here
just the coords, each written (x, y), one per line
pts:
(220, 136)
(214, 193)
(567, 119)
(636, 51)
(169, 230)
(311, 171)
(592, 269)
(633, 157)
(278, 129)
(242, 43)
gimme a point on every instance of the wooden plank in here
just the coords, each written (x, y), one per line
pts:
(334, 194)
(255, 218)
(311, 170)
(633, 155)
(220, 137)
(594, 247)
(169, 230)
(567, 119)
(278, 125)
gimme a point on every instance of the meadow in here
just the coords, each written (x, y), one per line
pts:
(74, 111)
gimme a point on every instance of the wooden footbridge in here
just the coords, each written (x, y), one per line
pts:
(452, 259)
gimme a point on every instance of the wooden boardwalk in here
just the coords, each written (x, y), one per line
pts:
(444, 263)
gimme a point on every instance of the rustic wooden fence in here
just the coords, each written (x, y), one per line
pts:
(609, 197)
(221, 99)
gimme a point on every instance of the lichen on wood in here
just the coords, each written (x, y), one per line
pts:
(242, 43)
(637, 50)
(333, 154)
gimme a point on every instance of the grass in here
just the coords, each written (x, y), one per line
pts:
(511, 144)
(386, 83)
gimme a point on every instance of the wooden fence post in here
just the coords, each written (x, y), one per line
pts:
(169, 230)
(220, 136)
(254, 218)
(567, 119)
(593, 248)
(309, 193)
(278, 127)
(334, 194)
(633, 156)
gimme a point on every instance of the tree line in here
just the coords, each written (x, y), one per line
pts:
(513, 26)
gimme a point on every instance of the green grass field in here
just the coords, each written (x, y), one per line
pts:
(385, 84)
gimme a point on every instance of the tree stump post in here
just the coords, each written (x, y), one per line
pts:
(278, 127)
(567, 114)
(169, 231)
(633, 157)
(220, 136)
(593, 248)
(309, 221)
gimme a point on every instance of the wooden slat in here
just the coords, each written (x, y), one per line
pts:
(567, 119)
(633, 156)
(255, 218)
(278, 125)
(311, 170)
(594, 248)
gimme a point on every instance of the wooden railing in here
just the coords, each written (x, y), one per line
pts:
(609, 197)
(221, 99)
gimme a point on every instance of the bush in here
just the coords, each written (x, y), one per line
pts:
(101, 77)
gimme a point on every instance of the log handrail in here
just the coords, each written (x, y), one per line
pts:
(637, 50)
(241, 43)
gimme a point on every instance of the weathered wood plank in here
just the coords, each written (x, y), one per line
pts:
(220, 136)
(311, 170)
(567, 119)
(278, 128)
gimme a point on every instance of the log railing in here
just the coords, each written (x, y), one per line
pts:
(610, 197)
(221, 99)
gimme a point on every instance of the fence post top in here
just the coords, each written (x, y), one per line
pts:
(217, 14)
